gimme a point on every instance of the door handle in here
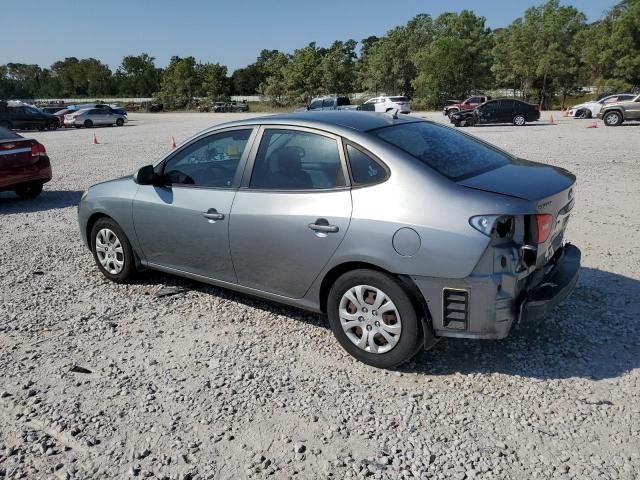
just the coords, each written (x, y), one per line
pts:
(322, 225)
(212, 214)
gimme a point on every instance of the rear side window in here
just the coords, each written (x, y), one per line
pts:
(364, 169)
(398, 99)
(451, 153)
(342, 101)
(315, 104)
(328, 103)
(296, 160)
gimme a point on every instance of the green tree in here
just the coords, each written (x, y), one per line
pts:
(180, 83)
(388, 64)
(272, 63)
(457, 62)
(214, 81)
(302, 74)
(337, 68)
(138, 76)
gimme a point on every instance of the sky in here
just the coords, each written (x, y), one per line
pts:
(229, 32)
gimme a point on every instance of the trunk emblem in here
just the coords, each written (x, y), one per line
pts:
(8, 146)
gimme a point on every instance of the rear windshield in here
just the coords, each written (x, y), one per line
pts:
(451, 153)
(398, 99)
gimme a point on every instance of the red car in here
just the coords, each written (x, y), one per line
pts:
(24, 165)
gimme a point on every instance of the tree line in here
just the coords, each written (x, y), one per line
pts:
(550, 51)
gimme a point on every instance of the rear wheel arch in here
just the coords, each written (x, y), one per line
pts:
(410, 287)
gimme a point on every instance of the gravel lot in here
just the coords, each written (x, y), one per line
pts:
(100, 380)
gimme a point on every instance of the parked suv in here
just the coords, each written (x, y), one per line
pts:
(401, 230)
(592, 109)
(470, 103)
(26, 117)
(614, 114)
(387, 104)
(504, 110)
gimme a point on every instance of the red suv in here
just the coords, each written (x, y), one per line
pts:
(24, 165)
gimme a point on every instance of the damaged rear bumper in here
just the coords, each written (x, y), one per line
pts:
(486, 306)
(554, 287)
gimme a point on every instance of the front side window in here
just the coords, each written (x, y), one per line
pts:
(364, 169)
(475, 100)
(296, 160)
(451, 153)
(315, 105)
(209, 162)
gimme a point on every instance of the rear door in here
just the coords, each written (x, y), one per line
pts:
(292, 211)
(633, 110)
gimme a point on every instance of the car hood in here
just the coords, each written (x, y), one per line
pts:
(522, 179)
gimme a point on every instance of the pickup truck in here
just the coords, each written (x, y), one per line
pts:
(328, 103)
(470, 103)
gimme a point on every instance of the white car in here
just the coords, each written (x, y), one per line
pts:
(592, 109)
(90, 117)
(386, 104)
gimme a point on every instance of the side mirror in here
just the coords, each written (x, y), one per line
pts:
(145, 176)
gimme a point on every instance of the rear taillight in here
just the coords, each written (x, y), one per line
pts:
(544, 222)
(537, 107)
(38, 150)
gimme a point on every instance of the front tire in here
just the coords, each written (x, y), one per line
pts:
(452, 111)
(112, 251)
(119, 122)
(373, 318)
(29, 191)
(613, 119)
(88, 124)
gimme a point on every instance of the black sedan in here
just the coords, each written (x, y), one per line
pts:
(502, 110)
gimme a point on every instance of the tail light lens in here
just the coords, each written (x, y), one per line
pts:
(537, 107)
(38, 150)
(544, 222)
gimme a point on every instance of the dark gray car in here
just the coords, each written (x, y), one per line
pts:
(399, 229)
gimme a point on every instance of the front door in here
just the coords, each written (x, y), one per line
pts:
(291, 213)
(182, 222)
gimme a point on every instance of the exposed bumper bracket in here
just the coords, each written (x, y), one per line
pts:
(554, 287)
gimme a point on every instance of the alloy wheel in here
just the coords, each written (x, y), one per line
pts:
(370, 319)
(612, 118)
(109, 251)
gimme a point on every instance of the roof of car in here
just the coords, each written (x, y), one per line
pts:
(350, 119)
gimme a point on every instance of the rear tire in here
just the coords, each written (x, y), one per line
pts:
(31, 190)
(88, 124)
(519, 120)
(613, 119)
(360, 322)
(112, 251)
(119, 122)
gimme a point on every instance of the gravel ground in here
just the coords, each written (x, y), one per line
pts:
(100, 380)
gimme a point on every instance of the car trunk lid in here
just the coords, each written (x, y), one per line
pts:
(17, 153)
(522, 179)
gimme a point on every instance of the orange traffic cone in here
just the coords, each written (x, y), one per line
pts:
(173, 142)
(552, 120)
(95, 140)
(593, 125)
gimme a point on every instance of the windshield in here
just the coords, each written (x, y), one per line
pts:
(451, 153)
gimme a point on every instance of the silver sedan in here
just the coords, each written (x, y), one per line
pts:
(398, 229)
(91, 117)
